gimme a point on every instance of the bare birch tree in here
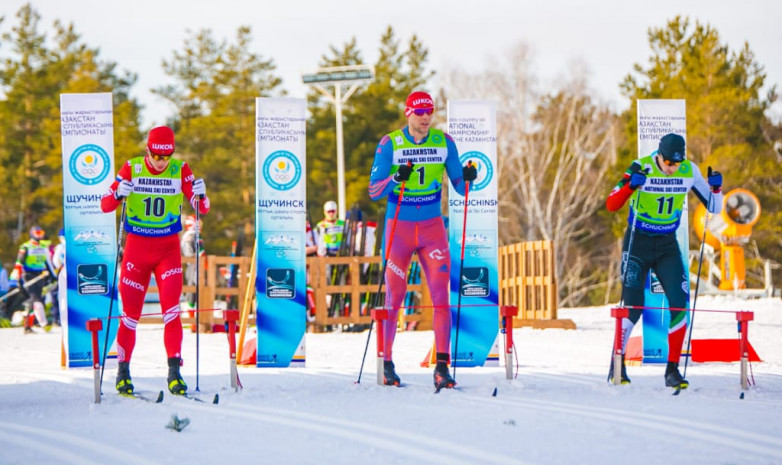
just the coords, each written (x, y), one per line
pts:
(554, 153)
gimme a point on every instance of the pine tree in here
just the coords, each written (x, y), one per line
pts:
(726, 123)
(32, 77)
(373, 111)
(216, 84)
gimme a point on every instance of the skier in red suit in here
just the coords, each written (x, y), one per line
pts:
(153, 188)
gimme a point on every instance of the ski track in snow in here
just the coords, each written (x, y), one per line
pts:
(753, 443)
(66, 448)
(413, 445)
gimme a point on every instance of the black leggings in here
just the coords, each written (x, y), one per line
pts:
(660, 253)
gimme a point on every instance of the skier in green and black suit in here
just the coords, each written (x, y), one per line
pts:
(664, 179)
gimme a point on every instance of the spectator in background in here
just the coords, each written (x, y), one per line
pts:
(311, 249)
(329, 231)
(310, 242)
(4, 283)
(34, 270)
(5, 309)
(188, 247)
(58, 260)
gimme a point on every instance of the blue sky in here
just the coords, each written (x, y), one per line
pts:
(609, 35)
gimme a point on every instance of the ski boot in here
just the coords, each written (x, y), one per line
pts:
(29, 321)
(673, 378)
(390, 378)
(124, 385)
(624, 379)
(176, 385)
(442, 376)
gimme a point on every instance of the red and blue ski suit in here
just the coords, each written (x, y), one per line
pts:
(420, 226)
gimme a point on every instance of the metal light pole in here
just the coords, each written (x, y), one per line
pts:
(353, 75)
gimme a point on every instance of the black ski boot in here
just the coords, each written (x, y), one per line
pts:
(625, 379)
(124, 385)
(176, 385)
(390, 378)
(442, 376)
(673, 378)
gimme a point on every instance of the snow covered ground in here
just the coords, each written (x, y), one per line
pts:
(559, 410)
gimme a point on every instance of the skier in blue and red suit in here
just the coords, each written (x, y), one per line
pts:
(418, 155)
(154, 186)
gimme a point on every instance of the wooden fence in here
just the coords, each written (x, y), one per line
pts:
(212, 288)
(527, 279)
(351, 303)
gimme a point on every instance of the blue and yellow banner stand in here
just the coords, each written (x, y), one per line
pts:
(473, 126)
(87, 128)
(657, 118)
(280, 225)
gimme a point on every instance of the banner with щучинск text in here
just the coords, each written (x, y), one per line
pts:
(87, 128)
(280, 225)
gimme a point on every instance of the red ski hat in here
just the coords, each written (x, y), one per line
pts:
(161, 141)
(418, 100)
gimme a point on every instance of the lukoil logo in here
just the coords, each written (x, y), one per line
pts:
(168, 147)
(396, 270)
(419, 101)
(133, 284)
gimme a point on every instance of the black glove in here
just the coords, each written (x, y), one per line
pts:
(404, 172)
(469, 172)
(715, 180)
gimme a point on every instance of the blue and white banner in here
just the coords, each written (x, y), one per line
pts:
(473, 125)
(280, 225)
(87, 127)
(657, 118)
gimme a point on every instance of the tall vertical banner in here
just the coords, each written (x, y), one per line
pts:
(473, 125)
(86, 122)
(280, 225)
(657, 118)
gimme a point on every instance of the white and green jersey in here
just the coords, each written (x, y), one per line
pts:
(658, 205)
(425, 183)
(330, 236)
(155, 205)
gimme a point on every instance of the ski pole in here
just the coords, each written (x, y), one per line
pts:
(113, 289)
(697, 280)
(617, 354)
(382, 276)
(198, 284)
(461, 270)
(626, 259)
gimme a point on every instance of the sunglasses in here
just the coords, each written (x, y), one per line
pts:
(331, 211)
(423, 111)
(157, 157)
